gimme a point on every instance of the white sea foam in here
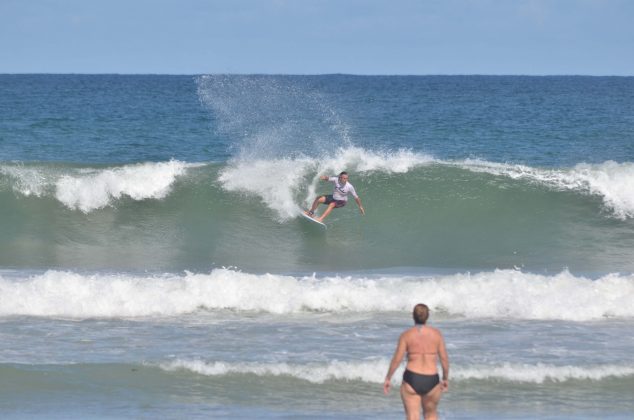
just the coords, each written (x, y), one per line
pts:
(504, 294)
(275, 182)
(541, 372)
(368, 371)
(98, 189)
(373, 371)
(360, 160)
(89, 189)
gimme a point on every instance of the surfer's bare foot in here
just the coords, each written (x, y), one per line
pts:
(310, 213)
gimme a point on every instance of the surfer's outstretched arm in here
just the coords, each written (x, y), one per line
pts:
(361, 209)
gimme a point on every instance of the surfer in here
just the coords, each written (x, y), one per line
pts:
(337, 199)
(421, 384)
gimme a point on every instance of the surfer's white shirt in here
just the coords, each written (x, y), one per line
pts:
(340, 191)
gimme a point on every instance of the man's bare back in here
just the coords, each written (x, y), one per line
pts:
(423, 347)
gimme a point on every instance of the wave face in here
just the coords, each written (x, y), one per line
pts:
(460, 173)
(421, 212)
(504, 294)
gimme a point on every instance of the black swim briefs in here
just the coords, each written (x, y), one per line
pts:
(422, 384)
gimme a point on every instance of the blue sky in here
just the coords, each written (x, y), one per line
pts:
(534, 37)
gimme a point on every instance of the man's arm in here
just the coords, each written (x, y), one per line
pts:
(444, 362)
(361, 209)
(396, 360)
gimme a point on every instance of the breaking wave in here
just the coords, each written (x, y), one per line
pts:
(502, 294)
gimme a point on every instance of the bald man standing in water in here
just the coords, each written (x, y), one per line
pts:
(421, 385)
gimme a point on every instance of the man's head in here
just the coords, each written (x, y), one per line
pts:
(343, 177)
(420, 313)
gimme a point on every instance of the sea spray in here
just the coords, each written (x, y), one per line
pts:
(267, 118)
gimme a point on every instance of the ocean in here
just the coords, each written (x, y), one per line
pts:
(153, 263)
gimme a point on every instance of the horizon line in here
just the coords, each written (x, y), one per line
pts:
(317, 74)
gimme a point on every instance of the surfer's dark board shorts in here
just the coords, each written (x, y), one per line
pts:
(338, 203)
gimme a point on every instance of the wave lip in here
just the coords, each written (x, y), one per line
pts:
(313, 372)
(373, 371)
(505, 294)
(541, 373)
(89, 189)
(612, 181)
(96, 190)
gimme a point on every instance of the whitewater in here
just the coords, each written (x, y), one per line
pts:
(524, 296)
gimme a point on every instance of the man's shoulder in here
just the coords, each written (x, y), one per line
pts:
(435, 331)
(405, 335)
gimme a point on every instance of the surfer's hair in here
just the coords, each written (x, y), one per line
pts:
(343, 173)
(420, 313)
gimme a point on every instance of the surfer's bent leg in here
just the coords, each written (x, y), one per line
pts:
(327, 211)
(320, 199)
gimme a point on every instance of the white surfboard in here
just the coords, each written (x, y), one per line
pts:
(307, 217)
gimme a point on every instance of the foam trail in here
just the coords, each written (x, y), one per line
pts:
(504, 294)
(373, 371)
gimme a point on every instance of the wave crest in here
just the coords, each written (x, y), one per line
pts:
(612, 181)
(501, 294)
(373, 371)
(90, 189)
(287, 184)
